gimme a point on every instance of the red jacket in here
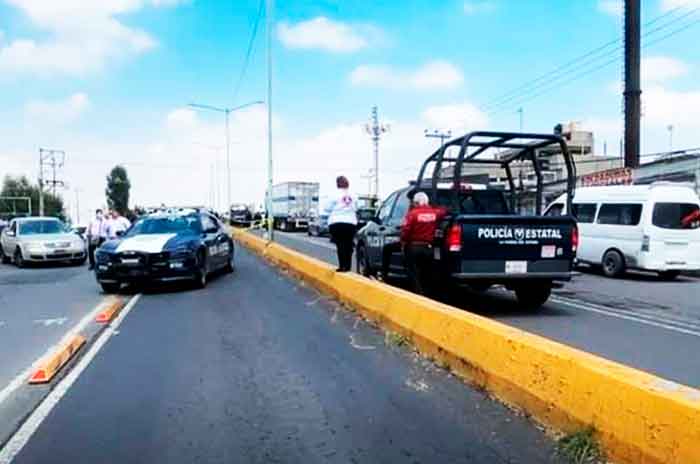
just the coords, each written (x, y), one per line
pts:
(420, 224)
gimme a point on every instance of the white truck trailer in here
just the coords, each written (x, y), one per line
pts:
(294, 204)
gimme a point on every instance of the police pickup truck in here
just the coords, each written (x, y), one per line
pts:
(482, 241)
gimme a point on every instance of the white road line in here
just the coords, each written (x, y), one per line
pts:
(25, 432)
(308, 240)
(50, 322)
(612, 313)
(23, 376)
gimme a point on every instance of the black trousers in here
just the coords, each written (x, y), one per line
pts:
(419, 266)
(92, 246)
(343, 235)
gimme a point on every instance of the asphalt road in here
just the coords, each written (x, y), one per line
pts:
(639, 320)
(259, 368)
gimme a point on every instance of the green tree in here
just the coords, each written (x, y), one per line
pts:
(117, 192)
(22, 187)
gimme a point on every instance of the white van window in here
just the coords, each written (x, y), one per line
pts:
(584, 212)
(623, 214)
(676, 216)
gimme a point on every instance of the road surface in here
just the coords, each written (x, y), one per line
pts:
(258, 368)
(639, 320)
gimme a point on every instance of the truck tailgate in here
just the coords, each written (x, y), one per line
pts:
(515, 246)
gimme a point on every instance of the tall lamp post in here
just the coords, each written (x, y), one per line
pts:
(227, 112)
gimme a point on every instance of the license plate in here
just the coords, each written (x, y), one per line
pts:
(59, 252)
(436, 253)
(549, 251)
(516, 267)
(130, 261)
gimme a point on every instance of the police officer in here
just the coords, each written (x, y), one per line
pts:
(417, 232)
(342, 223)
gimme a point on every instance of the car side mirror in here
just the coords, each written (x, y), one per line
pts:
(120, 233)
(10, 233)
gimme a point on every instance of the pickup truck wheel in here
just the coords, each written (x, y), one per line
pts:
(533, 297)
(613, 264)
(363, 266)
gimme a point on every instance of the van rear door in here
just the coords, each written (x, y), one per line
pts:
(674, 238)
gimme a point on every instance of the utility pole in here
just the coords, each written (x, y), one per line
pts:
(375, 130)
(670, 137)
(521, 114)
(436, 134)
(269, 19)
(77, 206)
(53, 159)
(633, 91)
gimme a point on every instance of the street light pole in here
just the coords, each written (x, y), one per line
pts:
(670, 137)
(520, 113)
(227, 112)
(269, 20)
(436, 134)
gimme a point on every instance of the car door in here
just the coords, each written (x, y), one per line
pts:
(223, 242)
(392, 232)
(374, 232)
(210, 235)
(10, 239)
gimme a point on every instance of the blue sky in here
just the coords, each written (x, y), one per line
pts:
(109, 82)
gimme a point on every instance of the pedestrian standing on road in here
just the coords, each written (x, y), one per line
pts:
(121, 224)
(111, 225)
(417, 232)
(96, 234)
(342, 223)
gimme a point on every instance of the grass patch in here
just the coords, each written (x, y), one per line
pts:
(395, 339)
(580, 447)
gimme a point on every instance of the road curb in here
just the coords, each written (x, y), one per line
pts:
(112, 309)
(640, 418)
(53, 363)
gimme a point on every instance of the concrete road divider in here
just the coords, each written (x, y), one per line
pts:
(53, 363)
(639, 418)
(111, 309)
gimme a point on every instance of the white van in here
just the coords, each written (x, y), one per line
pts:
(652, 227)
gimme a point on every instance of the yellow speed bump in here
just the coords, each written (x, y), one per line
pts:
(111, 309)
(56, 360)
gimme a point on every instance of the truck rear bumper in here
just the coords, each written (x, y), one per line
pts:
(501, 277)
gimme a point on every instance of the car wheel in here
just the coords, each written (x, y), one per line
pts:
(201, 277)
(229, 267)
(110, 287)
(531, 297)
(669, 275)
(362, 262)
(19, 259)
(3, 257)
(613, 264)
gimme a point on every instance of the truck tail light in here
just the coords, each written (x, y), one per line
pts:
(574, 239)
(646, 241)
(454, 238)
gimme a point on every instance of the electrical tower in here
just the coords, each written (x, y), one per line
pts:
(436, 134)
(375, 130)
(51, 160)
(633, 89)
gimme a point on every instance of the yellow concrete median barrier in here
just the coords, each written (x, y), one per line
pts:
(53, 363)
(110, 310)
(639, 418)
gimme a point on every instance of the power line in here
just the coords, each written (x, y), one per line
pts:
(526, 96)
(249, 51)
(582, 61)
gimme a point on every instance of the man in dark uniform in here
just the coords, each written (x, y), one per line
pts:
(417, 232)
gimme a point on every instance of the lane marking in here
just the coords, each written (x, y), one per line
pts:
(25, 432)
(608, 312)
(50, 322)
(353, 343)
(19, 380)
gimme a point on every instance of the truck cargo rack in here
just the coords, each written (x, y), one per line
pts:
(483, 148)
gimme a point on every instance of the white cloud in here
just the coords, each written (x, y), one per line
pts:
(664, 106)
(459, 117)
(323, 34)
(438, 75)
(472, 8)
(611, 7)
(83, 36)
(662, 68)
(59, 111)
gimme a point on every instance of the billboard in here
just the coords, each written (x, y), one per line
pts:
(617, 176)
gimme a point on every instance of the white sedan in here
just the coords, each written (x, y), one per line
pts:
(40, 240)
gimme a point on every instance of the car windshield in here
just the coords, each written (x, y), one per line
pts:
(676, 216)
(49, 226)
(166, 225)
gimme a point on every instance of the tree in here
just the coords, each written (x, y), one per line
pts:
(117, 191)
(22, 187)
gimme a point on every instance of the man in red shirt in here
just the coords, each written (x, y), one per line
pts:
(417, 232)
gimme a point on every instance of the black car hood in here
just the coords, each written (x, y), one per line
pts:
(150, 243)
